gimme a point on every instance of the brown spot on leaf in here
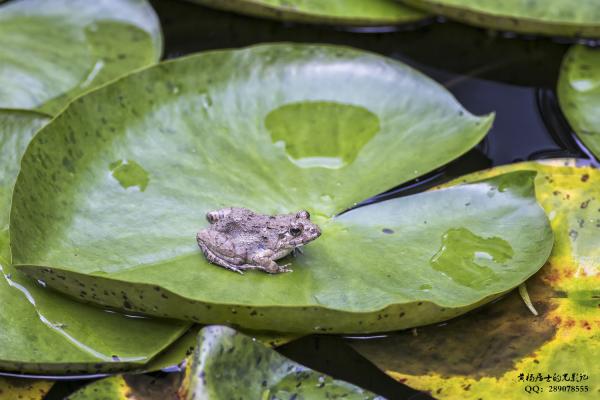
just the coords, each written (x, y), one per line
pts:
(586, 325)
(568, 272)
(551, 277)
(505, 329)
(148, 387)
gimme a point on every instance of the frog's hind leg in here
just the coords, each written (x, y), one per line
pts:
(226, 257)
(214, 259)
(263, 260)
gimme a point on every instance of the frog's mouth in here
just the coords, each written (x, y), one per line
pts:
(314, 231)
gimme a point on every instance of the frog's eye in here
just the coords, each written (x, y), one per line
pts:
(296, 230)
(303, 214)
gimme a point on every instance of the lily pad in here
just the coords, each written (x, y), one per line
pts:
(177, 352)
(128, 387)
(490, 353)
(227, 365)
(338, 12)
(44, 332)
(23, 389)
(547, 17)
(579, 94)
(53, 50)
(209, 140)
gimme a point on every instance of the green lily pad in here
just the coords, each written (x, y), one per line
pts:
(211, 140)
(339, 12)
(547, 17)
(227, 365)
(177, 352)
(53, 50)
(45, 332)
(490, 353)
(579, 94)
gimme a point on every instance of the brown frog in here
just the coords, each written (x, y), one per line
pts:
(239, 239)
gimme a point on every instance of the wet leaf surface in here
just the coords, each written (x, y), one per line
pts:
(549, 17)
(482, 354)
(184, 130)
(53, 50)
(579, 94)
(174, 356)
(227, 365)
(339, 12)
(45, 332)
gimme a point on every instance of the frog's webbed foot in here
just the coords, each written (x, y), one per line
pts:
(296, 251)
(283, 268)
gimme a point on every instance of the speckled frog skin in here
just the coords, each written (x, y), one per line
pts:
(239, 239)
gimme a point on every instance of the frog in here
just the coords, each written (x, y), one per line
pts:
(239, 239)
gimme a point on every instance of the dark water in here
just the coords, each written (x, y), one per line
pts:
(513, 76)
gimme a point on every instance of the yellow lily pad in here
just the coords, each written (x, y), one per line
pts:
(130, 387)
(491, 353)
(23, 389)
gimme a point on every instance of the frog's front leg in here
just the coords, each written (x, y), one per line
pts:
(263, 260)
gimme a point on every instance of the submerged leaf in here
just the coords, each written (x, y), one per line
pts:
(339, 12)
(547, 17)
(483, 354)
(45, 332)
(53, 50)
(579, 94)
(217, 138)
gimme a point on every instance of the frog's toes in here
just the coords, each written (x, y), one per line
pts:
(283, 268)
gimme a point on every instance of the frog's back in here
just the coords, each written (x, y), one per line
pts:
(241, 222)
